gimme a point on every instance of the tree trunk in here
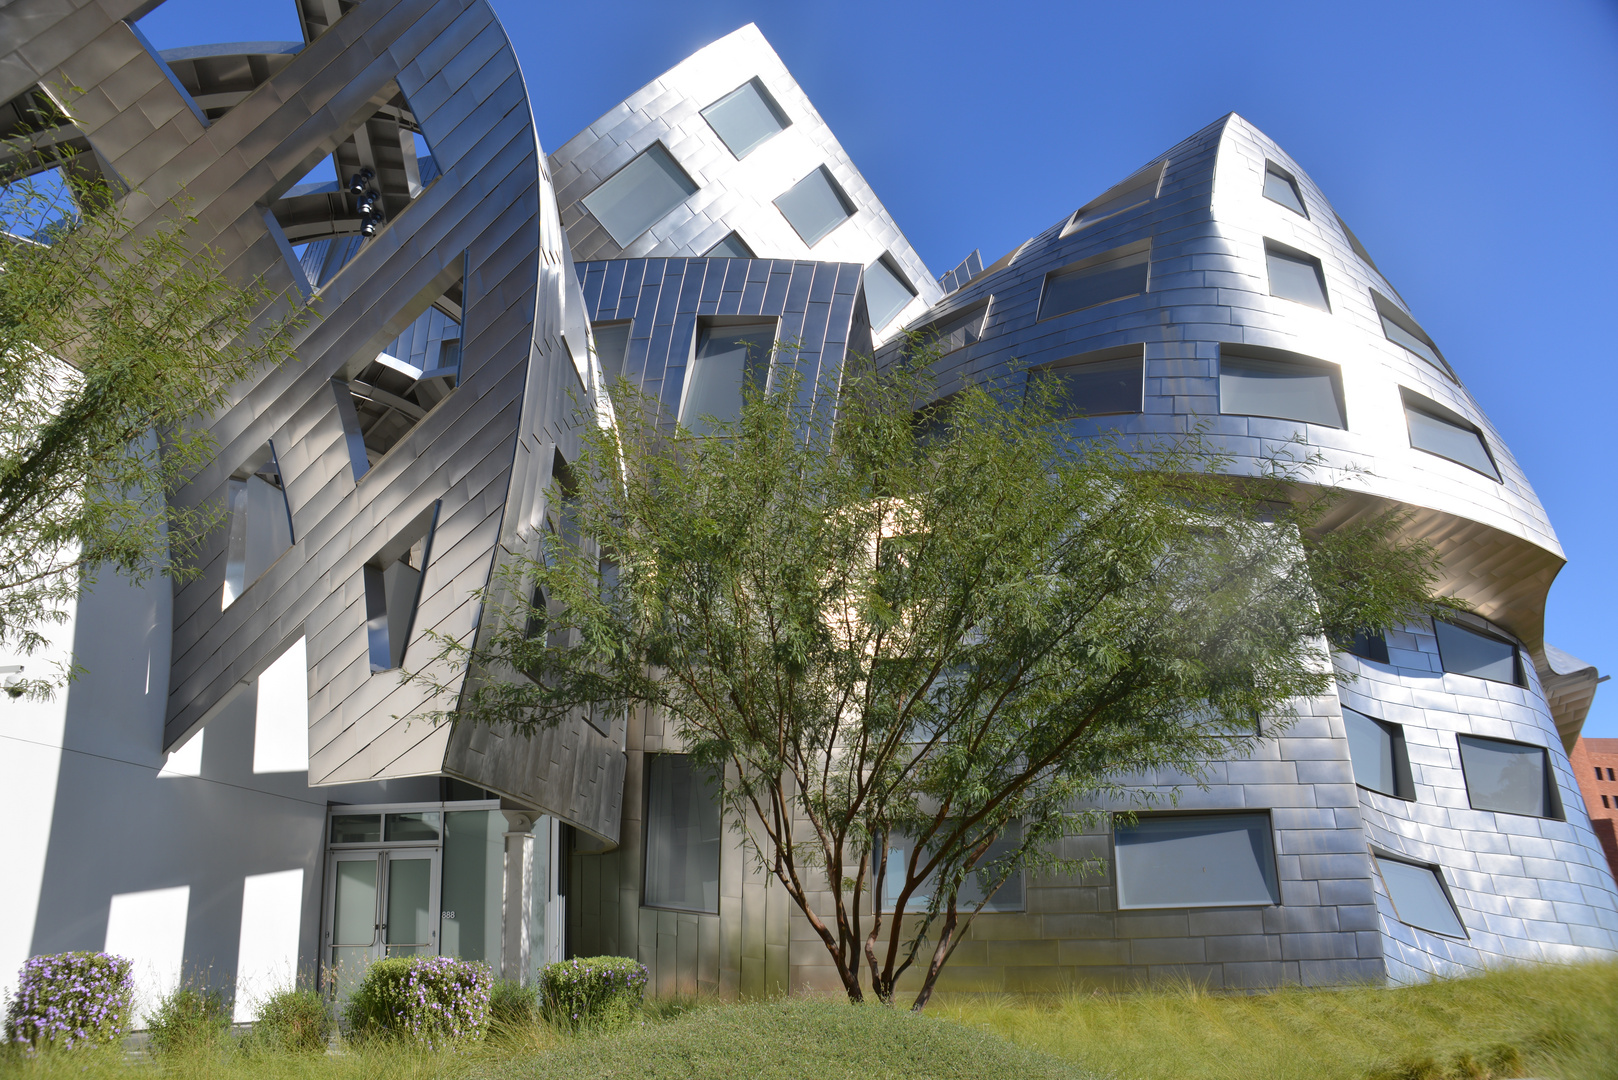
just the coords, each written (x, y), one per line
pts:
(945, 937)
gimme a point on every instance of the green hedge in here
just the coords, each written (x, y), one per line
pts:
(70, 1000)
(592, 990)
(433, 1001)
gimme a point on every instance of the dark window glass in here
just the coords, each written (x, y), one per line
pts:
(956, 331)
(1448, 438)
(1008, 897)
(414, 826)
(731, 247)
(1295, 276)
(1137, 190)
(1377, 750)
(815, 205)
(1419, 898)
(1307, 392)
(746, 117)
(1093, 388)
(356, 828)
(1214, 860)
(725, 357)
(1513, 778)
(640, 193)
(1111, 278)
(612, 346)
(1281, 188)
(1483, 656)
(886, 293)
(1369, 646)
(682, 835)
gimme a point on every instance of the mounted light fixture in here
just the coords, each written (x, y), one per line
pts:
(360, 181)
(369, 201)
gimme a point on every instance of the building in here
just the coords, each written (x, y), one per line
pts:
(244, 785)
(1595, 764)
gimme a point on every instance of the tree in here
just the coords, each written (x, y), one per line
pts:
(958, 626)
(115, 346)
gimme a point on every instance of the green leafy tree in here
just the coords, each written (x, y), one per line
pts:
(961, 626)
(116, 345)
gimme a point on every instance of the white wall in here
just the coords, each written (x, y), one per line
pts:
(197, 864)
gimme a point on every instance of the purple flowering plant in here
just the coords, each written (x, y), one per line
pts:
(432, 1001)
(71, 1000)
(593, 990)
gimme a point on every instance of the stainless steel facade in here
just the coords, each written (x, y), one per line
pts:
(479, 270)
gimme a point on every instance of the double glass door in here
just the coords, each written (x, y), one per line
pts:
(382, 903)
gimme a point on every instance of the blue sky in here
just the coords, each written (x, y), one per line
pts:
(1473, 147)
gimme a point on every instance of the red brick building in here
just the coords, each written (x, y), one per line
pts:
(1595, 763)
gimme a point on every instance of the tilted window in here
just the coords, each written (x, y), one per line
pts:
(1281, 385)
(1135, 190)
(260, 522)
(1281, 187)
(1008, 897)
(1295, 276)
(1377, 750)
(1402, 330)
(1196, 860)
(726, 358)
(682, 835)
(1419, 896)
(393, 580)
(957, 331)
(1112, 275)
(635, 197)
(1510, 777)
(1440, 431)
(612, 347)
(886, 292)
(1110, 382)
(815, 205)
(746, 117)
(1369, 646)
(732, 246)
(1483, 656)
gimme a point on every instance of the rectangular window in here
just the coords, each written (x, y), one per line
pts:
(886, 292)
(1437, 430)
(1377, 750)
(1483, 656)
(637, 195)
(1369, 646)
(1279, 186)
(1419, 896)
(356, 828)
(731, 247)
(1205, 860)
(1136, 190)
(957, 331)
(1511, 777)
(1402, 330)
(725, 358)
(746, 117)
(815, 205)
(1008, 897)
(1282, 385)
(1109, 276)
(260, 522)
(612, 346)
(1604, 802)
(1107, 383)
(1295, 276)
(473, 886)
(682, 836)
(393, 590)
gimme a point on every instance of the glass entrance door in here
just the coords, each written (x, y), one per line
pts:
(381, 903)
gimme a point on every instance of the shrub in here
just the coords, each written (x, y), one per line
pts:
(592, 990)
(296, 1021)
(72, 999)
(188, 1019)
(434, 1001)
(513, 1005)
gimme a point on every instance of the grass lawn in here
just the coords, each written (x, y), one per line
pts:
(1550, 1022)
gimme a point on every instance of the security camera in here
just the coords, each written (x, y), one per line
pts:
(12, 681)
